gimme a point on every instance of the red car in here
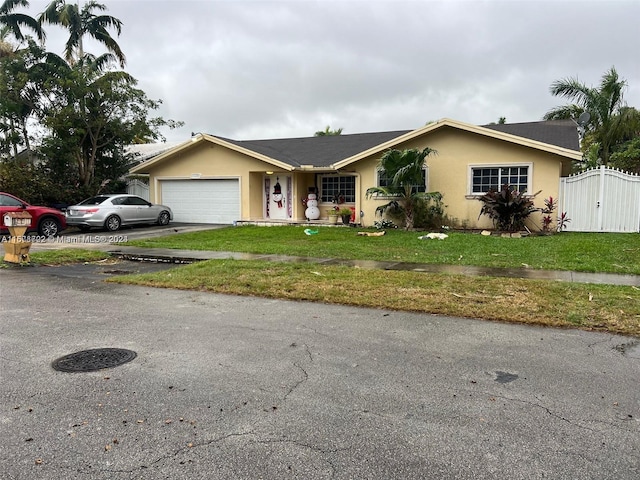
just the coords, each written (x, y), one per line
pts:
(48, 222)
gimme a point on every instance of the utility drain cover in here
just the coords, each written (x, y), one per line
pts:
(92, 360)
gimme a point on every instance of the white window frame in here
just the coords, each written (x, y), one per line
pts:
(425, 169)
(499, 166)
(334, 175)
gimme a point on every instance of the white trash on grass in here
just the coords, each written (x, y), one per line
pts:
(433, 236)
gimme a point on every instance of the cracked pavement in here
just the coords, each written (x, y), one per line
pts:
(247, 388)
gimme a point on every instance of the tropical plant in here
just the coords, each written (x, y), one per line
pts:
(507, 208)
(328, 132)
(563, 219)
(404, 170)
(550, 204)
(22, 76)
(15, 21)
(83, 22)
(627, 156)
(609, 117)
(429, 211)
(501, 121)
(18, 94)
(77, 113)
(94, 114)
(384, 224)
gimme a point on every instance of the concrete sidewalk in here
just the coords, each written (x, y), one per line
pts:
(190, 256)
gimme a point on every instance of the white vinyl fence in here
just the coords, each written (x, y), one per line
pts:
(601, 200)
(137, 187)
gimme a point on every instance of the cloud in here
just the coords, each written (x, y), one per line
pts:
(261, 69)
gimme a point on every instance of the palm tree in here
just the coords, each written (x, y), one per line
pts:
(14, 21)
(604, 104)
(83, 22)
(21, 79)
(404, 169)
(328, 132)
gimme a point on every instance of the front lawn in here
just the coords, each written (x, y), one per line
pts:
(614, 309)
(66, 256)
(584, 252)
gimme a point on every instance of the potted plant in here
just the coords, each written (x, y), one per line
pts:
(345, 213)
(333, 215)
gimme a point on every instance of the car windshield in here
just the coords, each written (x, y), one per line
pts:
(94, 200)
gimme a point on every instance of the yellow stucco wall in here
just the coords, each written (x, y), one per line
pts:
(449, 173)
(211, 161)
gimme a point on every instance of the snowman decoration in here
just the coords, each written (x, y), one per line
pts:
(277, 194)
(312, 212)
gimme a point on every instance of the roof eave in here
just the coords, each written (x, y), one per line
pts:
(140, 168)
(564, 152)
(199, 138)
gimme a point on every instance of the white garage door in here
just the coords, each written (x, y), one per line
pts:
(202, 201)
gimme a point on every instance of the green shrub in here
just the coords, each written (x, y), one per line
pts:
(429, 212)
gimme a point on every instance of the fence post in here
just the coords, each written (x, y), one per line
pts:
(601, 197)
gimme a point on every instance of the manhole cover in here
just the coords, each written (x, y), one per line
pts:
(92, 360)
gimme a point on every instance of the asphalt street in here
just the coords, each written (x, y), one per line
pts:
(246, 388)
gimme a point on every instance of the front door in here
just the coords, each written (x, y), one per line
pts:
(277, 196)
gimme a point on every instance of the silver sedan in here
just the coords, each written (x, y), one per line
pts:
(115, 210)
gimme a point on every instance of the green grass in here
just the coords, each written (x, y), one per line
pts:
(609, 308)
(585, 252)
(66, 255)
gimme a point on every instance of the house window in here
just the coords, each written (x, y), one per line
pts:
(384, 181)
(484, 179)
(332, 185)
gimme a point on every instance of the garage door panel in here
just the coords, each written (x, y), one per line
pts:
(202, 201)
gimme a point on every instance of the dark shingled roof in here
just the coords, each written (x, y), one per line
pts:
(317, 151)
(324, 151)
(562, 133)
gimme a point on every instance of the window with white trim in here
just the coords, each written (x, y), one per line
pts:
(384, 181)
(333, 185)
(485, 178)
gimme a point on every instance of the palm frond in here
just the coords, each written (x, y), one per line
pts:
(564, 112)
(14, 21)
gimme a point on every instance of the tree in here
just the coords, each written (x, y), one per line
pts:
(608, 114)
(94, 114)
(21, 78)
(83, 22)
(627, 156)
(14, 21)
(84, 112)
(328, 132)
(501, 121)
(16, 92)
(404, 169)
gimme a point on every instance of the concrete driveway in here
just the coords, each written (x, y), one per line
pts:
(135, 232)
(245, 388)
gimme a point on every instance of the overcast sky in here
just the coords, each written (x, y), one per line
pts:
(272, 69)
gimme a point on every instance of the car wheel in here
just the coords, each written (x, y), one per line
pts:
(163, 218)
(48, 227)
(112, 223)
